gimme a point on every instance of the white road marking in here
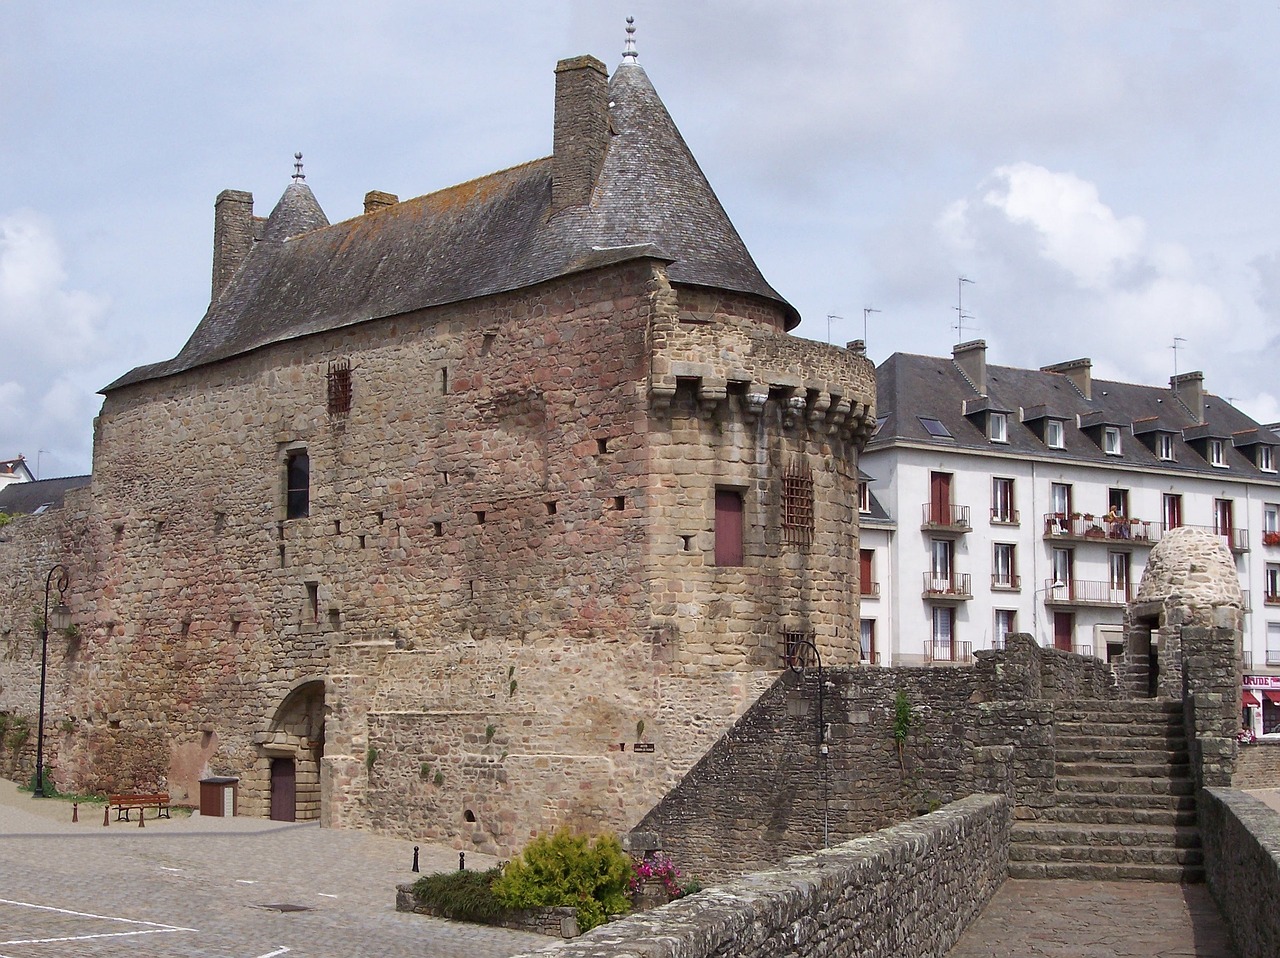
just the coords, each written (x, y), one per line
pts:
(153, 927)
(246, 881)
(270, 954)
(323, 895)
(109, 934)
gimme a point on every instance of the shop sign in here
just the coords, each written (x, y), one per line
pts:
(1262, 681)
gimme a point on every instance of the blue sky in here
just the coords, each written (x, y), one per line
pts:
(1103, 172)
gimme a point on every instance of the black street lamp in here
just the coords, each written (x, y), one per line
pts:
(63, 613)
(797, 657)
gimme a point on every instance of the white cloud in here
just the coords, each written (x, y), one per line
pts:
(53, 340)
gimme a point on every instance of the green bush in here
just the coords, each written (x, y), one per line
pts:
(564, 868)
(462, 895)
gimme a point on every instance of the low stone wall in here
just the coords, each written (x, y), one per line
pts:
(556, 922)
(1257, 766)
(907, 890)
(1241, 838)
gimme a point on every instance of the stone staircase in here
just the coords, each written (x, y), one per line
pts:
(1125, 802)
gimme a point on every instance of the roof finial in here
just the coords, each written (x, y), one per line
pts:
(629, 54)
(297, 168)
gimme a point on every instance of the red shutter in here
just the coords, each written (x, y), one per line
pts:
(940, 498)
(728, 527)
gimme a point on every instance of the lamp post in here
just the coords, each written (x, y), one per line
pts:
(1035, 604)
(62, 612)
(797, 655)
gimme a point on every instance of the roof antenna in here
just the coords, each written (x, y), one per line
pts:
(961, 315)
(297, 168)
(866, 311)
(629, 54)
(830, 317)
(1174, 347)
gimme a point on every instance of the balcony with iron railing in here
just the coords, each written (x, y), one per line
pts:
(1005, 582)
(1271, 598)
(1085, 527)
(945, 519)
(948, 653)
(955, 587)
(1237, 540)
(1273, 656)
(1247, 659)
(1085, 592)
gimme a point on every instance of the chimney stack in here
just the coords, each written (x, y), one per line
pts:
(1079, 371)
(1189, 388)
(581, 130)
(971, 357)
(376, 200)
(233, 232)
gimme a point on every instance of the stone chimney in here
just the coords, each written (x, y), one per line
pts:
(233, 233)
(1079, 371)
(581, 130)
(1189, 388)
(376, 200)
(971, 357)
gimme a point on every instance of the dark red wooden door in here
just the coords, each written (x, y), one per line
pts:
(284, 790)
(865, 559)
(940, 498)
(1063, 626)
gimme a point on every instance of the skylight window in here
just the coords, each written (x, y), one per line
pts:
(934, 427)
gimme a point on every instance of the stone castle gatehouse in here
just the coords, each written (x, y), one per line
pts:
(477, 513)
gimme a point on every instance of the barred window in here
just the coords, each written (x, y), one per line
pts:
(797, 649)
(797, 504)
(339, 387)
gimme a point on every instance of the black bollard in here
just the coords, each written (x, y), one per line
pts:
(462, 861)
(75, 811)
(415, 857)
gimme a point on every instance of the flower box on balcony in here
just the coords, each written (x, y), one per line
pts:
(1271, 538)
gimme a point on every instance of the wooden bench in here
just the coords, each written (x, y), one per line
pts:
(123, 804)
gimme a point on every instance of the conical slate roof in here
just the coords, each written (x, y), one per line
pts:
(490, 235)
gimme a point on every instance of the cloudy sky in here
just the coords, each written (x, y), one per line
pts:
(1104, 172)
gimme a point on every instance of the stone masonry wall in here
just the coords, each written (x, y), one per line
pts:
(1257, 766)
(758, 795)
(908, 890)
(1241, 838)
(495, 537)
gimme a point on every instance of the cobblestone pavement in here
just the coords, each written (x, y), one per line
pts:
(1088, 919)
(196, 887)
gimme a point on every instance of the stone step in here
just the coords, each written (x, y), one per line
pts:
(1134, 739)
(1145, 801)
(1119, 815)
(1126, 835)
(1121, 756)
(1094, 871)
(1119, 710)
(1106, 854)
(1075, 770)
(1126, 785)
(1122, 730)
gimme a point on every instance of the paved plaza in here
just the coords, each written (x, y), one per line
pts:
(202, 887)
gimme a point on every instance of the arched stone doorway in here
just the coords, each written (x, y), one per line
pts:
(290, 754)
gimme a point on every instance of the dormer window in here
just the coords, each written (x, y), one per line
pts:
(1054, 434)
(998, 427)
(1266, 458)
(1111, 440)
(864, 497)
(1164, 447)
(1217, 453)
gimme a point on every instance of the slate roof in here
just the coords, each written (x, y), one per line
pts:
(489, 235)
(25, 498)
(909, 387)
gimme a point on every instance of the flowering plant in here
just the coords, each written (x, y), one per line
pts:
(1271, 538)
(662, 870)
(1245, 736)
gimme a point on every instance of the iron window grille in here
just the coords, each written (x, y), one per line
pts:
(339, 382)
(797, 504)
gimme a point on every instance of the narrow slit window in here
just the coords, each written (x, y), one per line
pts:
(297, 484)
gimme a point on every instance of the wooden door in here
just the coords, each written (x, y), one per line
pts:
(866, 558)
(940, 498)
(284, 790)
(1063, 627)
(729, 527)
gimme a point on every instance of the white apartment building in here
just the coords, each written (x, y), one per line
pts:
(1017, 500)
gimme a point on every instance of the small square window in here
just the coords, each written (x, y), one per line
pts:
(935, 428)
(1054, 434)
(1111, 440)
(1217, 454)
(999, 427)
(1164, 447)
